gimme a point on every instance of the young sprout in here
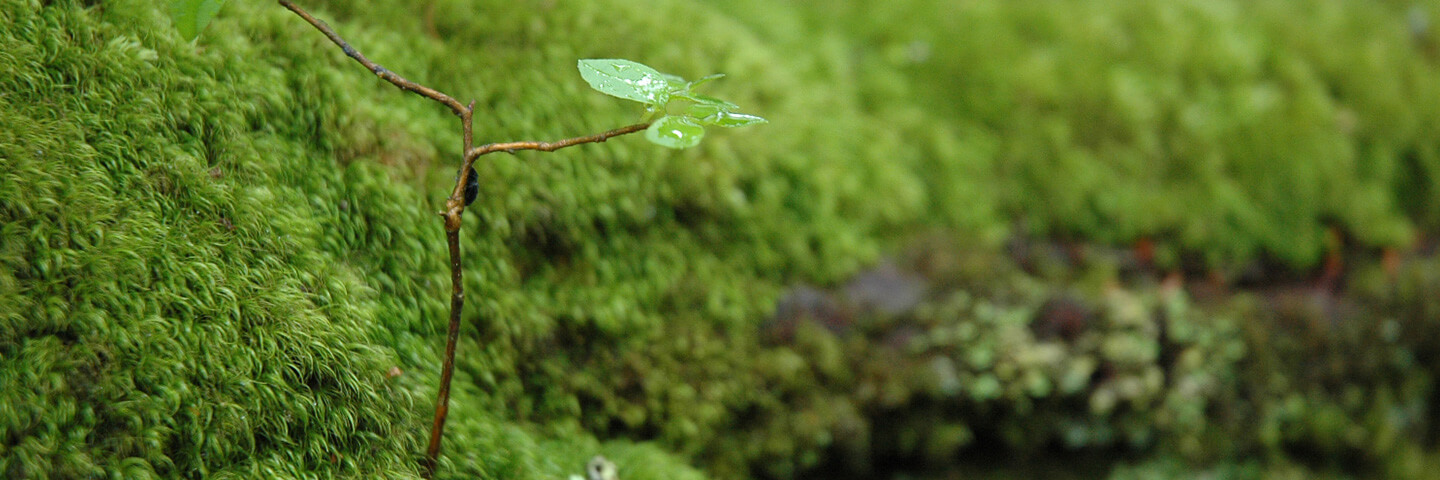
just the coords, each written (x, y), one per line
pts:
(659, 92)
(621, 78)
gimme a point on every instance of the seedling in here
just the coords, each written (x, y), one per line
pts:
(675, 116)
(659, 91)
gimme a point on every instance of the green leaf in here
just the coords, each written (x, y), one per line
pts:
(675, 132)
(191, 16)
(626, 79)
(701, 110)
(706, 106)
(709, 101)
(702, 80)
(676, 82)
(732, 120)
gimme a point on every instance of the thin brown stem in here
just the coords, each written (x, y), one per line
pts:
(454, 210)
(373, 67)
(458, 192)
(442, 399)
(453, 215)
(471, 154)
(455, 207)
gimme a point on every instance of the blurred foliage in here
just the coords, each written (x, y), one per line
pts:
(1227, 131)
(1284, 383)
(220, 258)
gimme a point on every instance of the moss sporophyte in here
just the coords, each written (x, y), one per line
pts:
(659, 92)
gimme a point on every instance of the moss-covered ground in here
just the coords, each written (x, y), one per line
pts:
(222, 259)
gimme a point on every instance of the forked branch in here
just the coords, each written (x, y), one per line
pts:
(454, 208)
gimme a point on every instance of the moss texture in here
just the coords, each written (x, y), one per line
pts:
(222, 259)
(216, 253)
(1229, 132)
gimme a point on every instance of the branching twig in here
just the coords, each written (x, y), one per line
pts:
(471, 154)
(454, 208)
(378, 70)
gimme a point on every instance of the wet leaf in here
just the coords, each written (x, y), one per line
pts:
(675, 132)
(635, 81)
(707, 106)
(731, 120)
(703, 80)
(627, 79)
(709, 101)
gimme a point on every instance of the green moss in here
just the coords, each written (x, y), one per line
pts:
(216, 251)
(167, 310)
(1231, 131)
(216, 257)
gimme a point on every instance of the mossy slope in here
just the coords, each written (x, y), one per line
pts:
(217, 255)
(221, 258)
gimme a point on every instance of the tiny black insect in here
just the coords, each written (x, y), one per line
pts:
(472, 187)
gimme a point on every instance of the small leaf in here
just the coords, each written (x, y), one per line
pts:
(676, 81)
(732, 120)
(626, 79)
(702, 80)
(702, 110)
(191, 16)
(706, 106)
(718, 104)
(675, 132)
